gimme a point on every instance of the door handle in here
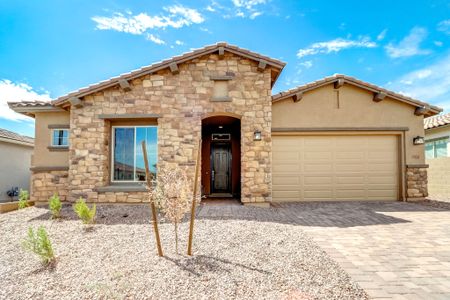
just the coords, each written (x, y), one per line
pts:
(212, 174)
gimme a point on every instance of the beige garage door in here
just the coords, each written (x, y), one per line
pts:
(335, 168)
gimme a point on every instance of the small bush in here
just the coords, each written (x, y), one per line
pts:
(23, 199)
(39, 244)
(54, 204)
(86, 214)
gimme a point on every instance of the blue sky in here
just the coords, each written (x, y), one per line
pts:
(48, 48)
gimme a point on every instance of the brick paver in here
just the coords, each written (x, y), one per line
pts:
(394, 250)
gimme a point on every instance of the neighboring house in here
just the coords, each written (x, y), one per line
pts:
(15, 160)
(338, 138)
(437, 152)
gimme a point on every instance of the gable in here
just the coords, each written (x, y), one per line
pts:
(378, 93)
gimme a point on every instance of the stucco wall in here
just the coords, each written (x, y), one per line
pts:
(182, 100)
(319, 108)
(439, 178)
(15, 162)
(43, 157)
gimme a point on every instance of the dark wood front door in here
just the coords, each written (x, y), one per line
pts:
(220, 168)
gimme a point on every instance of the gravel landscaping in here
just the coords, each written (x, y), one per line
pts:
(233, 259)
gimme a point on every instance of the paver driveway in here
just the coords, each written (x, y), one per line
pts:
(394, 250)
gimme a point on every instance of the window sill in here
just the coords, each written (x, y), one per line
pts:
(53, 148)
(122, 187)
(221, 99)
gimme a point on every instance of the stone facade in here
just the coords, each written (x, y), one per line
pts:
(182, 100)
(46, 183)
(416, 182)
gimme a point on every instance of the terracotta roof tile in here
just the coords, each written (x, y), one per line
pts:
(30, 104)
(9, 135)
(436, 121)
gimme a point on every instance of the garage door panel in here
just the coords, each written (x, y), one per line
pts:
(335, 168)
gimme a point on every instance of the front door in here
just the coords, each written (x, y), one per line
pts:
(220, 168)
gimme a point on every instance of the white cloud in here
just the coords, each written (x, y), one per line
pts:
(177, 16)
(210, 8)
(431, 83)
(204, 29)
(14, 92)
(444, 26)
(255, 14)
(382, 35)
(155, 39)
(248, 4)
(306, 64)
(335, 45)
(438, 43)
(179, 43)
(409, 45)
(248, 8)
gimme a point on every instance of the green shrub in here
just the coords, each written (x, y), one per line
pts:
(39, 244)
(83, 211)
(23, 199)
(54, 204)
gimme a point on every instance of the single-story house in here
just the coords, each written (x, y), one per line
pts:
(437, 156)
(337, 138)
(15, 160)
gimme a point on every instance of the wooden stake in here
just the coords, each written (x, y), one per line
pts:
(152, 204)
(191, 225)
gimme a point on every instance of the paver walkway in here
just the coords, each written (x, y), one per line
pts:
(394, 250)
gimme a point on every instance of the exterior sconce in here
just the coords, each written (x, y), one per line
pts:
(257, 135)
(419, 140)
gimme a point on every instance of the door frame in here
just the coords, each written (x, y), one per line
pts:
(229, 163)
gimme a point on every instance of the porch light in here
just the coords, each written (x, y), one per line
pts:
(419, 140)
(257, 135)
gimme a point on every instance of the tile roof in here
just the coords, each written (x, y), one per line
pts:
(165, 64)
(436, 121)
(15, 137)
(354, 81)
(30, 104)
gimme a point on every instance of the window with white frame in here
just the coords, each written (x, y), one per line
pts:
(436, 148)
(127, 156)
(60, 137)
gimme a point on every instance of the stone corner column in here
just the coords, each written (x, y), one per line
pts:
(416, 182)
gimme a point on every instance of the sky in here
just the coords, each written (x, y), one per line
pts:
(49, 48)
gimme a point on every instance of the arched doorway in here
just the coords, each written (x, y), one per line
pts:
(221, 157)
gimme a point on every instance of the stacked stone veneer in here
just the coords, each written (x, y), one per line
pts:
(182, 100)
(416, 182)
(46, 183)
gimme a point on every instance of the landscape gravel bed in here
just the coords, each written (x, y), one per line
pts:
(233, 259)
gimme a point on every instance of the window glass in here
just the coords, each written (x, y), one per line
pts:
(440, 147)
(429, 150)
(60, 137)
(124, 154)
(128, 157)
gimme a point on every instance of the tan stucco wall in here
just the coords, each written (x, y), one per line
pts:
(15, 162)
(42, 156)
(439, 178)
(319, 108)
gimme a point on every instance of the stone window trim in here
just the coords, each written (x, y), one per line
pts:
(58, 126)
(122, 187)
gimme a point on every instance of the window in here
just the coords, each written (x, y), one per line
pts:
(436, 148)
(60, 137)
(127, 156)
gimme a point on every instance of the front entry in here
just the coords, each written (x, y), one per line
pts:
(221, 168)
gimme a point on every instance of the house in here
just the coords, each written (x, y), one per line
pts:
(437, 155)
(338, 138)
(15, 161)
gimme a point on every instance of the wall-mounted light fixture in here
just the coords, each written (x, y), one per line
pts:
(257, 135)
(419, 140)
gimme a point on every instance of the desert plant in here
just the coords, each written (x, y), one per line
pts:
(23, 199)
(86, 214)
(173, 195)
(39, 243)
(54, 204)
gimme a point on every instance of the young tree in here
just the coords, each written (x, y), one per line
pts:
(173, 195)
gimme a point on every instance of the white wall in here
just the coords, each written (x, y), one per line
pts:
(439, 132)
(15, 162)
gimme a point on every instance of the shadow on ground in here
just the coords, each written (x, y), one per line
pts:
(320, 214)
